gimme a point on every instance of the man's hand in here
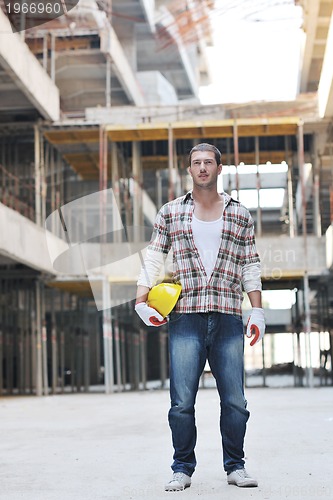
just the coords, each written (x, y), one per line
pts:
(149, 315)
(256, 325)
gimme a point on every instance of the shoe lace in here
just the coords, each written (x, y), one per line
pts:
(178, 476)
(243, 473)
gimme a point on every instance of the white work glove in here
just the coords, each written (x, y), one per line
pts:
(149, 315)
(256, 325)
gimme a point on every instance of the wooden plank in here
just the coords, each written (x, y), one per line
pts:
(181, 130)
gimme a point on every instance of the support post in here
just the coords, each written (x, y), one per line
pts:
(257, 160)
(290, 187)
(52, 69)
(118, 355)
(107, 339)
(306, 295)
(143, 357)
(45, 43)
(236, 155)
(171, 190)
(38, 336)
(108, 82)
(158, 188)
(316, 193)
(117, 235)
(137, 195)
(44, 340)
(38, 216)
(54, 346)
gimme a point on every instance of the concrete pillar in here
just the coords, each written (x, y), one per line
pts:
(44, 341)
(116, 210)
(316, 193)
(53, 56)
(143, 357)
(62, 344)
(54, 345)
(137, 196)
(86, 346)
(45, 50)
(123, 355)
(37, 324)
(307, 331)
(171, 190)
(163, 357)
(306, 296)
(236, 155)
(290, 204)
(43, 183)
(159, 201)
(289, 160)
(118, 355)
(107, 340)
(108, 82)
(38, 216)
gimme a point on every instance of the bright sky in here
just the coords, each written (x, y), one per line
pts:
(256, 52)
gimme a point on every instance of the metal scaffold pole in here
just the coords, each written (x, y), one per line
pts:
(171, 190)
(137, 191)
(54, 346)
(290, 188)
(38, 336)
(316, 189)
(306, 298)
(258, 182)
(118, 355)
(236, 155)
(38, 216)
(44, 340)
(107, 339)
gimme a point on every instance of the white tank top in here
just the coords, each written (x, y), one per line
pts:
(207, 237)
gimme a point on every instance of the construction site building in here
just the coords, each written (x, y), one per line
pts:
(98, 111)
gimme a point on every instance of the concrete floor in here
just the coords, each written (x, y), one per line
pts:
(93, 446)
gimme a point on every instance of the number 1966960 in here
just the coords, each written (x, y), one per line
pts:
(34, 8)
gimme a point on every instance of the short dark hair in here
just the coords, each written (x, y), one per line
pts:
(204, 146)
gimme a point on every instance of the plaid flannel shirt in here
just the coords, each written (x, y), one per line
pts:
(222, 292)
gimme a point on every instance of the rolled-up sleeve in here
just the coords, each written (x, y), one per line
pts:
(160, 240)
(251, 268)
(157, 251)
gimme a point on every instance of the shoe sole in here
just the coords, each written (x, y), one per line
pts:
(181, 488)
(244, 485)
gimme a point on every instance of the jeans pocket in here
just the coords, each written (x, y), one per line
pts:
(239, 318)
(175, 316)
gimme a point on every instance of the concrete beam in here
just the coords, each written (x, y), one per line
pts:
(27, 243)
(148, 7)
(112, 48)
(311, 21)
(166, 20)
(24, 69)
(325, 87)
(283, 257)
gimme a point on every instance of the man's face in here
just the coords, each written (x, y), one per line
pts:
(204, 169)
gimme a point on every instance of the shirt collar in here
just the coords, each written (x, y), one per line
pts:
(226, 196)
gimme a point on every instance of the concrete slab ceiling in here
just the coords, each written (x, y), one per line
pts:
(23, 82)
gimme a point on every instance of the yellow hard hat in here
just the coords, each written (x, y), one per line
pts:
(163, 297)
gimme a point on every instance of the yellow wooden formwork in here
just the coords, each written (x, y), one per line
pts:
(86, 164)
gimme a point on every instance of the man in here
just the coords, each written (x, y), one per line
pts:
(214, 254)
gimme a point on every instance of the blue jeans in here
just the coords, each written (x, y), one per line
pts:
(193, 338)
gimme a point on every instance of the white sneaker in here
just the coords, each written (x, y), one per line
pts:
(179, 482)
(241, 478)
